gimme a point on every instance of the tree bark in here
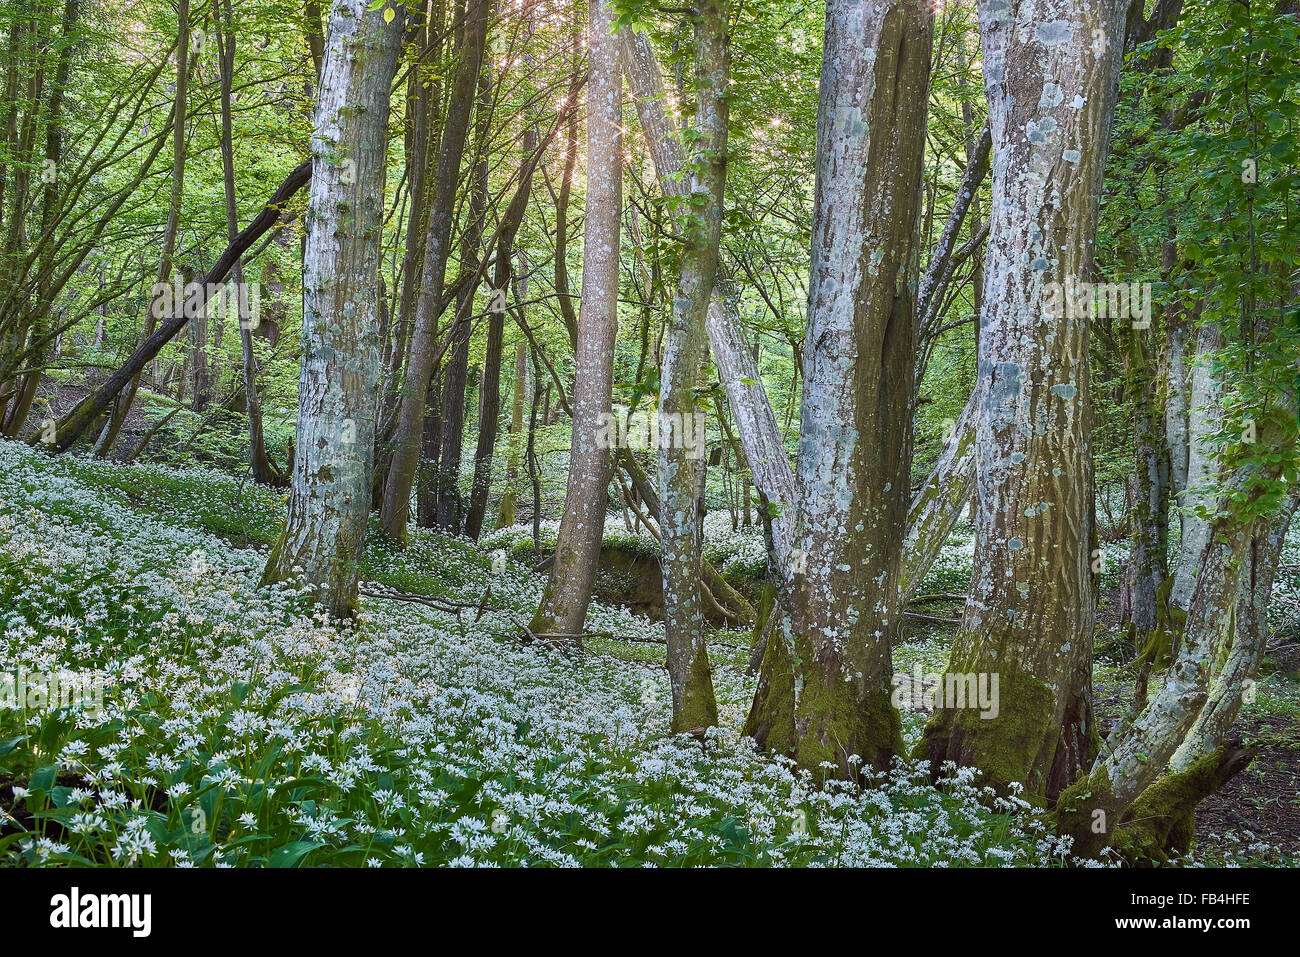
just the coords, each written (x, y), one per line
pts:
(682, 452)
(338, 389)
(824, 695)
(563, 607)
(1051, 74)
(415, 385)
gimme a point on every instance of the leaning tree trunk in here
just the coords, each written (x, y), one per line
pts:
(756, 424)
(563, 607)
(824, 693)
(682, 458)
(81, 416)
(1235, 683)
(1051, 72)
(338, 390)
(1143, 790)
(937, 506)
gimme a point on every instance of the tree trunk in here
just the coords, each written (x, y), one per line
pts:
(1235, 682)
(738, 370)
(122, 407)
(1173, 754)
(259, 465)
(1203, 411)
(426, 492)
(1051, 73)
(455, 376)
(490, 387)
(937, 506)
(415, 385)
(1149, 562)
(563, 607)
(338, 389)
(424, 97)
(824, 695)
(682, 458)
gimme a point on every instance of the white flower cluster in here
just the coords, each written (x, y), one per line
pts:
(241, 728)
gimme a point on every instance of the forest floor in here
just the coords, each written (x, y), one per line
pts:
(238, 727)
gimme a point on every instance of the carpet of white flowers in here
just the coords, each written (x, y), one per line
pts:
(240, 728)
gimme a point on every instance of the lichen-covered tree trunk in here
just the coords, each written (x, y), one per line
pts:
(329, 496)
(396, 510)
(1203, 411)
(563, 607)
(841, 612)
(1051, 73)
(682, 460)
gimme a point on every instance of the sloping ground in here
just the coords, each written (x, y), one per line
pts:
(237, 727)
(1256, 816)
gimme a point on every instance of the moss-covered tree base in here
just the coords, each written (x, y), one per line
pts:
(506, 511)
(837, 719)
(1016, 745)
(824, 722)
(698, 708)
(339, 596)
(1160, 823)
(771, 716)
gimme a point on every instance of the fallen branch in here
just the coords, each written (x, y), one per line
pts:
(375, 590)
(935, 618)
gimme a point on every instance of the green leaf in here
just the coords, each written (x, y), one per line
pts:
(291, 854)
